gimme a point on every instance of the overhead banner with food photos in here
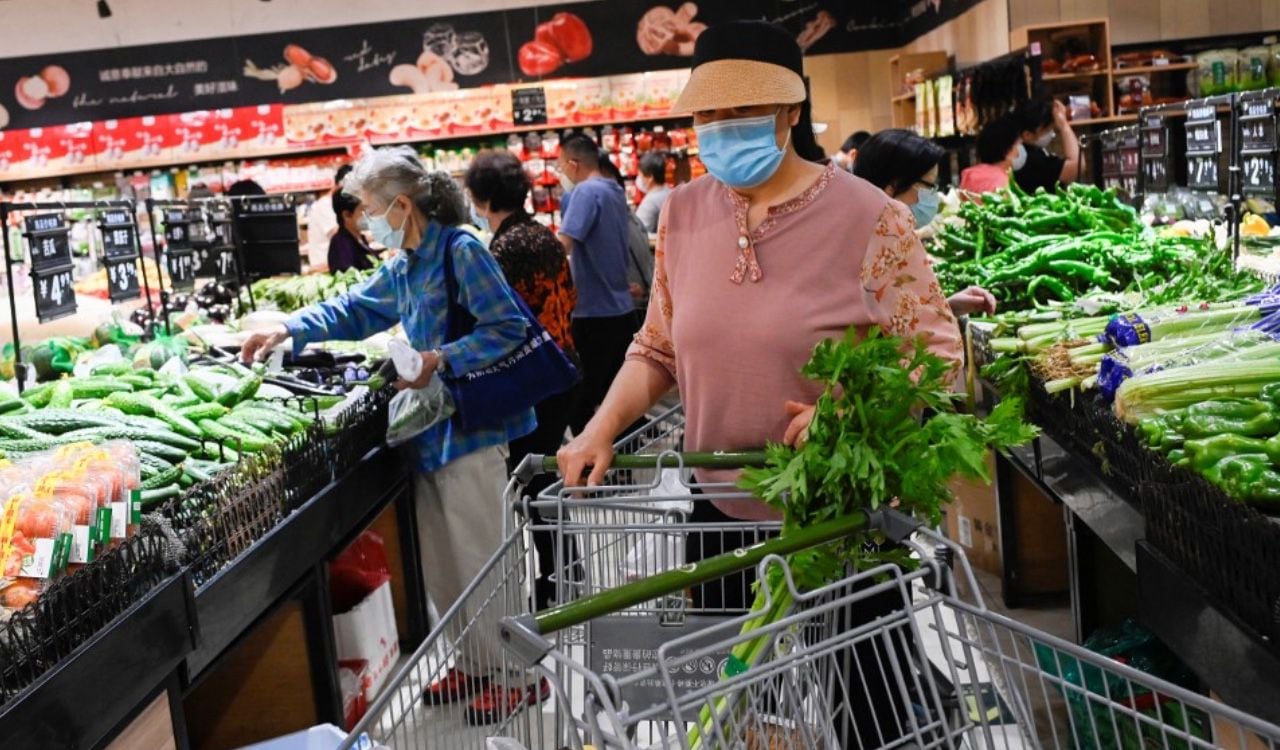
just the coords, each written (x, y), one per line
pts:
(424, 56)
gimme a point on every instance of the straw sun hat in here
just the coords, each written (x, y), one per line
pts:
(743, 64)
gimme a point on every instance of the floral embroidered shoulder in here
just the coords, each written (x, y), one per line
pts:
(734, 314)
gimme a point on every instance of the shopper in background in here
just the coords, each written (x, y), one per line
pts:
(245, 189)
(347, 248)
(460, 475)
(594, 232)
(652, 181)
(1041, 121)
(848, 153)
(639, 252)
(748, 268)
(322, 222)
(905, 167)
(1000, 149)
(533, 262)
(199, 191)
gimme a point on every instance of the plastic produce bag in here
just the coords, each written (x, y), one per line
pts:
(1093, 689)
(654, 552)
(414, 410)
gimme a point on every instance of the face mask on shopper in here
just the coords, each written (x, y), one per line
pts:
(642, 183)
(741, 153)
(383, 234)
(566, 184)
(1044, 140)
(1020, 160)
(478, 221)
(926, 206)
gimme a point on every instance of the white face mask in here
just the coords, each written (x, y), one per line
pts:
(642, 183)
(1020, 159)
(1044, 140)
(566, 184)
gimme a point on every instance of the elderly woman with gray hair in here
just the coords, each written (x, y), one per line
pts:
(460, 474)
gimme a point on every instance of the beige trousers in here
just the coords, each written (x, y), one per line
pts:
(460, 512)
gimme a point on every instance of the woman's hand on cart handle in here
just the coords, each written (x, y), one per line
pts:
(798, 431)
(260, 343)
(585, 450)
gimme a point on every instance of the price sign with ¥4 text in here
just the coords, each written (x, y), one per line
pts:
(529, 106)
(182, 269)
(54, 295)
(177, 230)
(48, 241)
(122, 278)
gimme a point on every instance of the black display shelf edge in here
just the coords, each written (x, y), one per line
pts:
(1227, 655)
(85, 697)
(249, 587)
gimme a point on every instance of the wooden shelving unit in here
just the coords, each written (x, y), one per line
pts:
(1139, 69)
(902, 97)
(1059, 42)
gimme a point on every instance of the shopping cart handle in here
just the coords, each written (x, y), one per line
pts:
(535, 465)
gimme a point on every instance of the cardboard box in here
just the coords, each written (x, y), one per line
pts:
(368, 632)
(973, 521)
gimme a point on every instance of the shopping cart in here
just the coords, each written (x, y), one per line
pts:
(615, 665)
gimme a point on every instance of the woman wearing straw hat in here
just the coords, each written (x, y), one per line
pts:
(756, 263)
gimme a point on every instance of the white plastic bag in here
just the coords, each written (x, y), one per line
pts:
(654, 552)
(414, 410)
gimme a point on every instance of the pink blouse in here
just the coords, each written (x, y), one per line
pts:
(734, 315)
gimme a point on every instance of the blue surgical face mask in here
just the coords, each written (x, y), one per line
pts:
(478, 221)
(743, 152)
(926, 206)
(383, 234)
(1020, 160)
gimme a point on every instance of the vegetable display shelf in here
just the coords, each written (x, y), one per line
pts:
(1228, 636)
(81, 701)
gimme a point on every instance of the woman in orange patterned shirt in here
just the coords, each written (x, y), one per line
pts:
(534, 263)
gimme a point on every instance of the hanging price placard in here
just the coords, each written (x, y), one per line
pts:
(182, 269)
(1258, 146)
(177, 235)
(529, 106)
(54, 295)
(122, 279)
(120, 254)
(1204, 148)
(47, 238)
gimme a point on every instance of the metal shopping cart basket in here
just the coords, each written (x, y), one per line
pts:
(884, 658)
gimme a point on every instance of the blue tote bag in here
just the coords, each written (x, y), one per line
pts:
(532, 372)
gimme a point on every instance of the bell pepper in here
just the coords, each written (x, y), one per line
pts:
(1264, 424)
(1178, 457)
(1249, 477)
(1271, 393)
(1208, 452)
(1232, 408)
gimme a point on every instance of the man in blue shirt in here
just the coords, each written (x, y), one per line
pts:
(594, 227)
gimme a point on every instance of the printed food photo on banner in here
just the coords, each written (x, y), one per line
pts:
(563, 40)
(299, 67)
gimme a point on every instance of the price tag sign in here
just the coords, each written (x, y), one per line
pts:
(1259, 172)
(47, 238)
(224, 261)
(529, 106)
(1202, 171)
(118, 233)
(54, 295)
(177, 234)
(122, 278)
(1155, 172)
(182, 269)
(272, 205)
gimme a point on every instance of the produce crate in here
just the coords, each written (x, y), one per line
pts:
(219, 519)
(1230, 549)
(1125, 461)
(358, 429)
(80, 604)
(306, 465)
(1062, 417)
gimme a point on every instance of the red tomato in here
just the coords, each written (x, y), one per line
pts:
(37, 520)
(539, 58)
(19, 594)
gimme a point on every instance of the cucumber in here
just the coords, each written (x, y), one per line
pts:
(197, 473)
(154, 497)
(183, 402)
(233, 438)
(137, 381)
(222, 455)
(146, 471)
(14, 406)
(242, 391)
(144, 423)
(39, 395)
(199, 387)
(137, 403)
(243, 425)
(62, 395)
(113, 368)
(31, 445)
(125, 432)
(185, 480)
(160, 450)
(305, 417)
(154, 463)
(97, 387)
(58, 421)
(163, 479)
(17, 431)
(211, 410)
(265, 417)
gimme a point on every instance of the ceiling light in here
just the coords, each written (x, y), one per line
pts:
(104, 10)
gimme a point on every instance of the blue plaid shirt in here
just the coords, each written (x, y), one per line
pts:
(410, 289)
